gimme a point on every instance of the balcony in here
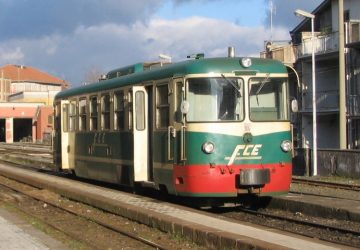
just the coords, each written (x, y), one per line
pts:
(353, 105)
(326, 101)
(354, 32)
(282, 51)
(324, 43)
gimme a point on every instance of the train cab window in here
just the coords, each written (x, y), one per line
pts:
(268, 99)
(215, 99)
(93, 113)
(72, 116)
(162, 106)
(105, 112)
(82, 114)
(119, 111)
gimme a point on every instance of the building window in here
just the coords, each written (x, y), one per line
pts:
(82, 114)
(105, 112)
(119, 111)
(72, 116)
(93, 113)
(50, 119)
(162, 106)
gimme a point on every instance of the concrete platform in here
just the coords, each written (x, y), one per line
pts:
(335, 208)
(206, 229)
(16, 234)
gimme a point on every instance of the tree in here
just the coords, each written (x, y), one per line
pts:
(93, 74)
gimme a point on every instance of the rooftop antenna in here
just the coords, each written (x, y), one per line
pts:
(272, 11)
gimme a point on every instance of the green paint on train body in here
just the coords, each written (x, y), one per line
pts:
(263, 149)
(199, 66)
(119, 144)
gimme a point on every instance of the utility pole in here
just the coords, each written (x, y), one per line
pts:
(271, 7)
(342, 87)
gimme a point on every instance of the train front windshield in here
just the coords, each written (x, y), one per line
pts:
(268, 99)
(222, 99)
(216, 99)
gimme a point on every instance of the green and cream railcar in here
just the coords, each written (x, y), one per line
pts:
(215, 127)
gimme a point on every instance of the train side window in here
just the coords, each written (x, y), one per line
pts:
(179, 99)
(119, 111)
(72, 116)
(162, 106)
(65, 117)
(82, 114)
(140, 110)
(130, 110)
(105, 112)
(93, 113)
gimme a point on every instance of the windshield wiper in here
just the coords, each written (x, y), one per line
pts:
(232, 84)
(262, 83)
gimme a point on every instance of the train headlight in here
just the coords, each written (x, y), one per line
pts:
(246, 62)
(286, 146)
(208, 147)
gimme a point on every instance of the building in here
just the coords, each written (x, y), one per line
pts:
(26, 97)
(297, 53)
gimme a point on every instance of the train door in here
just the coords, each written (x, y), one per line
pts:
(64, 134)
(140, 133)
(176, 129)
(150, 116)
(56, 136)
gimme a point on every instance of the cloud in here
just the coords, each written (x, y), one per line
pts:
(70, 37)
(9, 55)
(108, 46)
(197, 34)
(25, 18)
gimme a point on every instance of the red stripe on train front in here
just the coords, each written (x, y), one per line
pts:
(221, 179)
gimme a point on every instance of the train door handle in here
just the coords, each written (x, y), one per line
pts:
(182, 146)
(171, 131)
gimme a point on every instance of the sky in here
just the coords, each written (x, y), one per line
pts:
(73, 39)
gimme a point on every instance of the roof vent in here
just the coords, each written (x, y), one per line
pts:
(197, 56)
(102, 78)
(231, 52)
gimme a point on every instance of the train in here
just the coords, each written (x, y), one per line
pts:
(203, 127)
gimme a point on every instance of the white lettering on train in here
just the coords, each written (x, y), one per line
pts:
(248, 152)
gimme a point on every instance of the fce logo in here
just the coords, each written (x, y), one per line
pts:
(250, 151)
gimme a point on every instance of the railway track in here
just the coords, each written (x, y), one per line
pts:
(35, 155)
(350, 187)
(323, 229)
(84, 217)
(303, 225)
(39, 148)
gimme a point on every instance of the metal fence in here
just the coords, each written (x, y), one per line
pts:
(325, 100)
(354, 105)
(331, 162)
(323, 43)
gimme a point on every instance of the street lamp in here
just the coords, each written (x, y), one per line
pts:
(302, 13)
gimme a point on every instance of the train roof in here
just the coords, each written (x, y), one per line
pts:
(140, 72)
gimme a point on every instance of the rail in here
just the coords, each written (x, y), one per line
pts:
(328, 228)
(76, 213)
(328, 184)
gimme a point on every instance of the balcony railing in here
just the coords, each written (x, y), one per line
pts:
(353, 105)
(323, 44)
(325, 101)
